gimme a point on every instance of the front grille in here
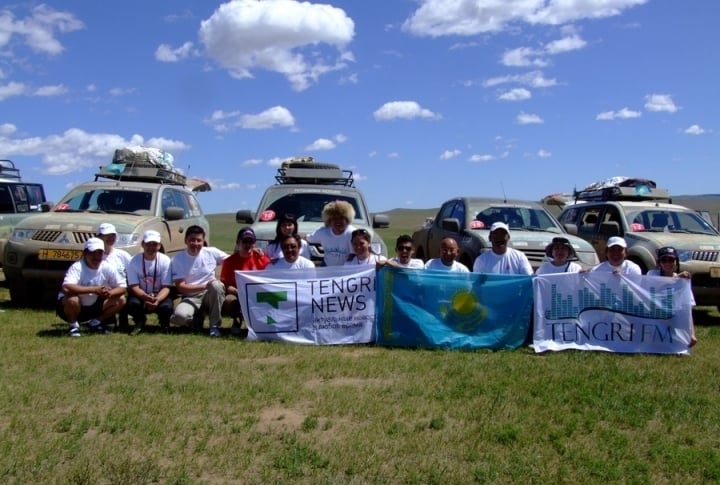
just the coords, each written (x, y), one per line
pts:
(705, 255)
(534, 255)
(46, 236)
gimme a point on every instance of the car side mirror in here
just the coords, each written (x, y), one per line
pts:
(610, 228)
(381, 221)
(244, 216)
(46, 206)
(450, 224)
(571, 228)
(174, 213)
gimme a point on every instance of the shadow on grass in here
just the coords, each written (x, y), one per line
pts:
(706, 316)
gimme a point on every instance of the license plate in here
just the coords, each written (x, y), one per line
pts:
(63, 254)
(715, 272)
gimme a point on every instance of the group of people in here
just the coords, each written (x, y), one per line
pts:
(107, 281)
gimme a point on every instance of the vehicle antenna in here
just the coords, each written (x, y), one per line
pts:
(502, 186)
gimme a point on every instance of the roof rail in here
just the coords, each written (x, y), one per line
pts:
(156, 175)
(637, 193)
(9, 171)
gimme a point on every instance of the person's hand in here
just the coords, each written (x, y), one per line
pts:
(104, 291)
(685, 274)
(257, 251)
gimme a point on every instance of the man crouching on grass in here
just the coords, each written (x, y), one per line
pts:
(92, 290)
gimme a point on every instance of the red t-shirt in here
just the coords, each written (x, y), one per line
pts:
(235, 262)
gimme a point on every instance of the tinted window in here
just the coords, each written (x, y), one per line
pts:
(307, 207)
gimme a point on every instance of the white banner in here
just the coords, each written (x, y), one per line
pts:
(613, 313)
(325, 305)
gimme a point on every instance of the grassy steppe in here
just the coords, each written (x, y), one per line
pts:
(189, 409)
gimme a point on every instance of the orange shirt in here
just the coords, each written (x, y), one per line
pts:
(235, 262)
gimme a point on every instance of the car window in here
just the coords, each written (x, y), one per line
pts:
(6, 201)
(516, 217)
(458, 213)
(111, 201)
(307, 207)
(659, 220)
(445, 212)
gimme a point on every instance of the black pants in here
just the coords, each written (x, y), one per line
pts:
(136, 309)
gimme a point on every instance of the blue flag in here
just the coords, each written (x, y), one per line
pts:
(438, 309)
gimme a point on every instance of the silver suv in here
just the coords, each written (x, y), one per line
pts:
(648, 221)
(302, 189)
(133, 199)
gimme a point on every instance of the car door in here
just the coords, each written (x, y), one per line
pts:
(437, 233)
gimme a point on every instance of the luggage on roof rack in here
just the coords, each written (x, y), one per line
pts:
(622, 188)
(122, 171)
(304, 170)
(8, 171)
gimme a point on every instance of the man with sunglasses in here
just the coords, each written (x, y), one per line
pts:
(405, 251)
(246, 257)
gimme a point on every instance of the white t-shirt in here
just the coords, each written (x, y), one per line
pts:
(438, 265)
(196, 270)
(118, 259)
(627, 267)
(372, 259)
(512, 262)
(273, 250)
(300, 263)
(414, 263)
(150, 275)
(81, 274)
(549, 268)
(337, 248)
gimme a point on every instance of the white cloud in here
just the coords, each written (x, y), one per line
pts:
(566, 44)
(75, 149)
(12, 89)
(448, 154)
(39, 29)
(165, 53)
(403, 109)
(542, 153)
(320, 144)
(47, 91)
(534, 79)
(224, 121)
(481, 158)
(436, 18)
(7, 129)
(695, 130)
(528, 119)
(517, 94)
(252, 162)
(523, 56)
(660, 102)
(623, 114)
(121, 91)
(340, 138)
(243, 35)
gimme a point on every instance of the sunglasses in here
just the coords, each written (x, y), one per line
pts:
(404, 248)
(667, 259)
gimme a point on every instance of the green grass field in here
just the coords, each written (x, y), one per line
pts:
(161, 408)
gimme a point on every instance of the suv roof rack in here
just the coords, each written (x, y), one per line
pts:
(156, 175)
(9, 171)
(636, 193)
(304, 170)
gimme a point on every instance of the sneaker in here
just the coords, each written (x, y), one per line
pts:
(138, 329)
(96, 326)
(215, 332)
(236, 328)
(74, 330)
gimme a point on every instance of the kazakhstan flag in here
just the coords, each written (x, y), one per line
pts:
(438, 309)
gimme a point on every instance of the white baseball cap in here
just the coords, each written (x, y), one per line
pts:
(94, 244)
(499, 225)
(616, 241)
(106, 228)
(151, 236)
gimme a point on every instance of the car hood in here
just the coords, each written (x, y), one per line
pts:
(265, 231)
(82, 221)
(538, 240)
(680, 241)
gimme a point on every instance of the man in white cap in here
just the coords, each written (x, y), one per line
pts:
(502, 259)
(149, 283)
(615, 262)
(92, 290)
(118, 259)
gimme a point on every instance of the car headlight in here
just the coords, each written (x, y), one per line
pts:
(127, 240)
(685, 256)
(22, 234)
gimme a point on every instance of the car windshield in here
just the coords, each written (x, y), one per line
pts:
(527, 218)
(660, 220)
(109, 201)
(306, 207)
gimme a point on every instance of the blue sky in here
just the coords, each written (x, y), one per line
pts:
(424, 100)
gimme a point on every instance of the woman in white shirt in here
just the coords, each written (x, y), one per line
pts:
(360, 240)
(560, 251)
